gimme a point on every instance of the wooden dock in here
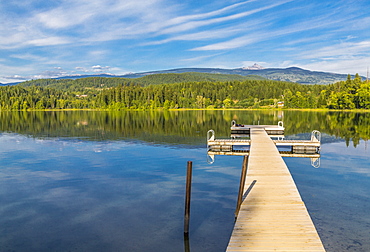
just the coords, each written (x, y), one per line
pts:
(272, 216)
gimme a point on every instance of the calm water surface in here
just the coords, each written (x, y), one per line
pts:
(96, 181)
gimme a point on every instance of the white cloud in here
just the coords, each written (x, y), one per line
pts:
(99, 68)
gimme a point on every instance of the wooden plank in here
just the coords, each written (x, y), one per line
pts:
(273, 216)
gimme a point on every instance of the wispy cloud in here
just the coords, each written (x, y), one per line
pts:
(205, 15)
(193, 24)
(49, 41)
(201, 58)
(28, 56)
(269, 33)
(70, 14)
(231, 44)
(343, 66)
(203, 35)
(347, 50)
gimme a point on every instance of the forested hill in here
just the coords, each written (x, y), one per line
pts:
(290, 74)
(153, 79)
(122, 94)
(167, 78)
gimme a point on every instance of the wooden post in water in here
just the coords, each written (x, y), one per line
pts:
(187, 197)
(241, 185)
(186, 243)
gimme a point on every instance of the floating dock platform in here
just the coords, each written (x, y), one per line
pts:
(272, 216)
(297, 146)
(245, 129)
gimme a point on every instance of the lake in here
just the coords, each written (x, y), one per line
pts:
(115, 181)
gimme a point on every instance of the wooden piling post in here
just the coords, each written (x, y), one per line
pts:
(186, 243)
(187, 197)
(241, 185)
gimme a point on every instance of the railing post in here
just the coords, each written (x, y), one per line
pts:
(210, 137)
(187, 197)
(241, 185)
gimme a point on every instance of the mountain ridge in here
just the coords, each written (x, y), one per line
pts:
(290, 74)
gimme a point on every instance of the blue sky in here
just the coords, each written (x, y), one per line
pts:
(40, 39)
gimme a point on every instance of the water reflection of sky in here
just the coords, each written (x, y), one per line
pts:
(337, 195)
(72, 195)
(68, 194)
(351, 159)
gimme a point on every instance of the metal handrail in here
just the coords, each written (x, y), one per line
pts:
(316, 136)
(210, 137)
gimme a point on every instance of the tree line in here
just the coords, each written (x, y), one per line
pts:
(123, 94)
(174, 127)
(349, 94)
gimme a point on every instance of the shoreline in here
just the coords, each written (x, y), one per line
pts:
(202, 109)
